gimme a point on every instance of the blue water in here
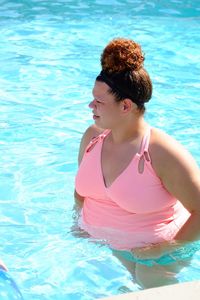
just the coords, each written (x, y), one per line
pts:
(8, 287)
(49, 57)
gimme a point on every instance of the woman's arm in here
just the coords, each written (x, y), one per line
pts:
(180, 175)
(91, 132)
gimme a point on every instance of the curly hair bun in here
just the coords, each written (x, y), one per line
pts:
(122, 55)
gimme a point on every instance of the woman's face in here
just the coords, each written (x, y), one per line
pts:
(106, 111)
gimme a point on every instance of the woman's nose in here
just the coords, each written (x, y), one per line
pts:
(92, 104)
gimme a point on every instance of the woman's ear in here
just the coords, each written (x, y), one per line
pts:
(128, 105)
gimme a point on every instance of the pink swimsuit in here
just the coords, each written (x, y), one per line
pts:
(135, 210)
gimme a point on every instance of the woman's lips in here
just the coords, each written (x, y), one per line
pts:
(95, 117)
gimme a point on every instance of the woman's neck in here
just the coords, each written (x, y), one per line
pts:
(127, 132)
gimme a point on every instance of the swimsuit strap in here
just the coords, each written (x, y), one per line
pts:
(145, 144)
(95, 140)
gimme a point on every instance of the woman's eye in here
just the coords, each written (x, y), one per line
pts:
(97, 101)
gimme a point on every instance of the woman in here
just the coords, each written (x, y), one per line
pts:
(140, 189)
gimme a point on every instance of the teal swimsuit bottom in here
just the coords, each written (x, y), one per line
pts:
(183, 253)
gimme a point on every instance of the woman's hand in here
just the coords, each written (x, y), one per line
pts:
(155, 251)
(3, 266)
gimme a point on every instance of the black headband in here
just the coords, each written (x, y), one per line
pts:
(115, 82)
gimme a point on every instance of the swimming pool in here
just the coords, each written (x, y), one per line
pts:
(49, 56)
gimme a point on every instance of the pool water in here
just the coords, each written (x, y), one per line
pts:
(49, 56)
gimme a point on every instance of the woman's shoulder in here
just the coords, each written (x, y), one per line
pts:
(161, 139)
(166, 152)
(91, 132)
(161, 142)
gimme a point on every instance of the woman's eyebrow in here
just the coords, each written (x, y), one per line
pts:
(96, 97)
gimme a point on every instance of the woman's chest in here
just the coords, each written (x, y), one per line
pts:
(125, 186)
(114, 161)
